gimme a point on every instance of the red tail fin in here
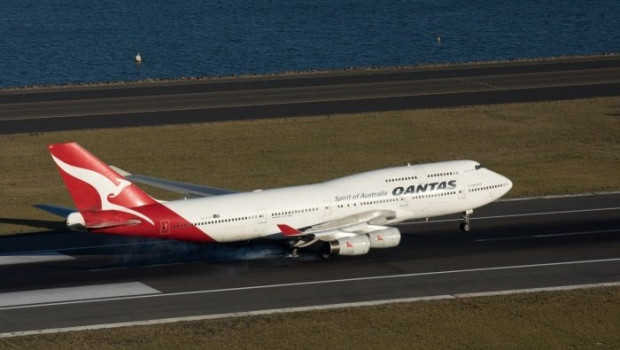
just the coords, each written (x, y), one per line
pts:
(92, 184)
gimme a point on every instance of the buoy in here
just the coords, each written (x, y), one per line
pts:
(138, 58)
(439, 40)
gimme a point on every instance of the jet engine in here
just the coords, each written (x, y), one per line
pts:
(386, 238)
(356, 245)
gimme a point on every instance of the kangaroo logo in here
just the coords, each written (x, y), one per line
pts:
(105, 187)
(118, 189)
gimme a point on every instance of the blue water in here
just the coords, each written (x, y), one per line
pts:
(73, 41)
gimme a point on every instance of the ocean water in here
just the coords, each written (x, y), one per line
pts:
(77, 41)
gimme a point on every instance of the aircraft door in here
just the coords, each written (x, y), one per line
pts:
(462, 192)
(421, 175)
(164, 227)
(327, 209)
(261, 216)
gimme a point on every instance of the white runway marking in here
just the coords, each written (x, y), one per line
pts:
(559, 196)
(512, 215)
(548, 213)
(157, 294)
(306, 308)
(116, 245)
(80, 293)
(32, 257)
(385, 277)
(550, 235)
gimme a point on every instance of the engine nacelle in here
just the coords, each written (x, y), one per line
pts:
(356, 245)
(387, 238)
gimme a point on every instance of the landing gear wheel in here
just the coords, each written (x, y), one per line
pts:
(326, 252)
(293, 254)
(465, 224)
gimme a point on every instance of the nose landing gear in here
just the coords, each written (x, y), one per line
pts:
(465, 227)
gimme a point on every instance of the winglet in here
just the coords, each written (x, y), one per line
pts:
(289, 231)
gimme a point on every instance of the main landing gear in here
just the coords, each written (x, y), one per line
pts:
(299, 243)
(465, 227)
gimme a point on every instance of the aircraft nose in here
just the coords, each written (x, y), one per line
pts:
(508, 183)
(505, 184)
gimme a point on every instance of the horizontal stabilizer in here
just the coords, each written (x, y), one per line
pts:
(57, 210)
(106, 224)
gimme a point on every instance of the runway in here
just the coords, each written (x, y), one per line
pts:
(66, 279)
(73, 108)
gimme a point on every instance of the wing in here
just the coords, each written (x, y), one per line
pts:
(347, 226)
(174, 186)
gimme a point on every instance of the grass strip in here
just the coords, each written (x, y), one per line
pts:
(577, 319)
(558, 147)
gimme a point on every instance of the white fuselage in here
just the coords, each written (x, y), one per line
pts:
(412, 192)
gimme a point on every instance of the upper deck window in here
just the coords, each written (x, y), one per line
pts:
(478, 166)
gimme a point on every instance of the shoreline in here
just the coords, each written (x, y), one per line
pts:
(302, 74)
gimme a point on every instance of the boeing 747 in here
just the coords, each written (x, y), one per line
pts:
(348, 215)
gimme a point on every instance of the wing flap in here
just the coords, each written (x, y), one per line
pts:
(347, 226)
(353, 223)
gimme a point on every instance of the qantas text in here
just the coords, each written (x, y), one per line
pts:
(444, 185)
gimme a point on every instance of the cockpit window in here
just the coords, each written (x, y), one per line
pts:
(479, 166)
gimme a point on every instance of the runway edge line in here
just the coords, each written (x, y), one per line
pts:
(308, 308)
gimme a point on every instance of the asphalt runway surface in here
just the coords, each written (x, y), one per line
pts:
(68, 279)
(71, 108)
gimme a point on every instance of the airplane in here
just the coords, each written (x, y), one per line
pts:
(349, 215)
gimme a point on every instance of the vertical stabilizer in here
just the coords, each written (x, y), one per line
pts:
(93, 185)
